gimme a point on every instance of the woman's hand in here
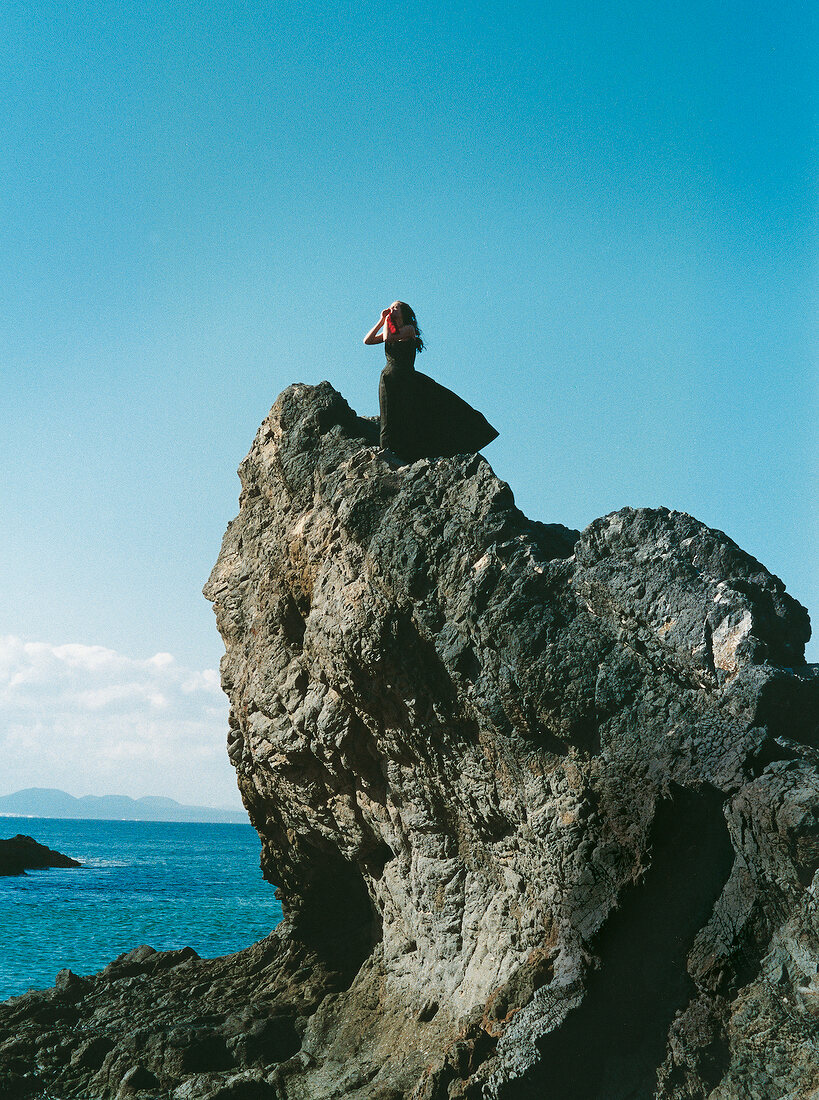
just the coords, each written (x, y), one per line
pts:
(373, 336)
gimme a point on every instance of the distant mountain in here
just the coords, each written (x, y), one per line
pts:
(49, 802)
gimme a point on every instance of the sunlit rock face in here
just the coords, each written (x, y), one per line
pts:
(540, 767)
(541, 805)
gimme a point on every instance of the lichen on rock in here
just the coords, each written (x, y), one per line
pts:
(541, 804)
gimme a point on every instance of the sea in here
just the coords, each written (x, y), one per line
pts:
(167, 884)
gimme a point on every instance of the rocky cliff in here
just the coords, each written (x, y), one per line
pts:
(541, 805)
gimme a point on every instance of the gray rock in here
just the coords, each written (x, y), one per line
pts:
(541, 806)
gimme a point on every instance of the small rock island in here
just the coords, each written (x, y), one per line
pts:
(541, 805)
(22, 853)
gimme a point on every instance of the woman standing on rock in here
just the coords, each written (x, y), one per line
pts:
(419, 417)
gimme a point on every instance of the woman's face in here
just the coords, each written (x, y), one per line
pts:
(396, 315)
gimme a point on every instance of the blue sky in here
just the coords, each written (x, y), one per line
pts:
(605, 217)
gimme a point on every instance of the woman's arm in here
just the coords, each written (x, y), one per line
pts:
(395, 334)
(371, 337)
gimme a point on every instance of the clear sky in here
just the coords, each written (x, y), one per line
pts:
(604, 215)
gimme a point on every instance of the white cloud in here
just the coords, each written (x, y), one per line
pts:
(93, 721)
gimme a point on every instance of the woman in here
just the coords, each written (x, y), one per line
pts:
(419, 417)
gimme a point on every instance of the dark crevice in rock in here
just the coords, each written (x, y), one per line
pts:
(292, 623)
(769, 752)
(360, 754)
(708, 648)
(788, 706)
(612, 1045)
(377, 860)
(336, 918)
(585, 734)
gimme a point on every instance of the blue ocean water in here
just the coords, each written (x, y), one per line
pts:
(169, 885)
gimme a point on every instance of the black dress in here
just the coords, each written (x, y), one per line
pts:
(421, 418)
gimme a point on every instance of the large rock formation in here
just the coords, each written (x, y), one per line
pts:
(541, 805)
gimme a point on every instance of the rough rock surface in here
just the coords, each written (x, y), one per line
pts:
(542, 808)
(23, 853)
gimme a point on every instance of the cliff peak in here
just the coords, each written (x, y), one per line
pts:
(494, 757)
(540, 803)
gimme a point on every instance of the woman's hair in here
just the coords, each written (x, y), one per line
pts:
(409, 318)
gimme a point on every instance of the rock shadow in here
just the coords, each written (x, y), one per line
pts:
(612, 1045)
(336, 918)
